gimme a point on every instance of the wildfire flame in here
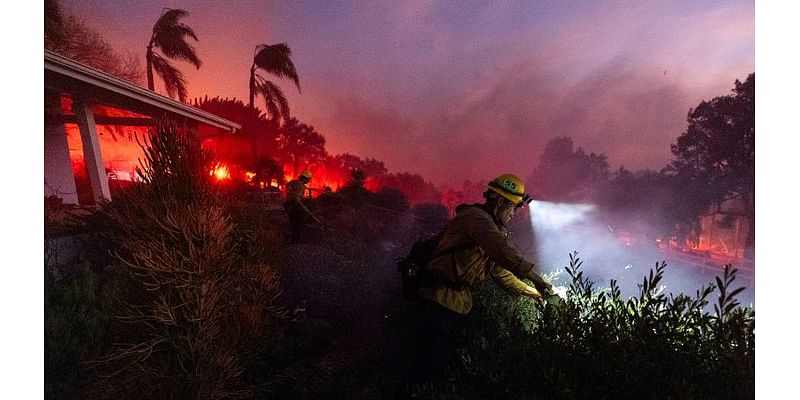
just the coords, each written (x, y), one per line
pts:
(220, 171)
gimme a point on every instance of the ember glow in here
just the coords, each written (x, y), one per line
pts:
(220, 172)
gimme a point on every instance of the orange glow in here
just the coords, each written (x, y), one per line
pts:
(220, 172)
(118, 147)
(274, 183)
(249, 176)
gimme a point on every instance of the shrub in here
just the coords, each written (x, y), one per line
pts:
(599, 345)
(203, 294)
(76, 316)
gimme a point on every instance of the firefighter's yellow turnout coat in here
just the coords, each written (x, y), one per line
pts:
(494, 256)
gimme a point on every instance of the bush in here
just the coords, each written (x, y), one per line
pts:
(203, 295)
(598, 345)
(430, 218)
(76, 315)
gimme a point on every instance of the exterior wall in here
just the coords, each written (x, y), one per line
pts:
(58, 178)
(724, 230)
(724, 239)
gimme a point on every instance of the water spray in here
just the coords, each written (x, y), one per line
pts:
(561, 228)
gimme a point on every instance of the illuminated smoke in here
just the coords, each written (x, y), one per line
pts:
(609, 253)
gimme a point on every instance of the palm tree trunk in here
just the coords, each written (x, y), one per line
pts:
(150, 84)
(254, 135)
(252, 84)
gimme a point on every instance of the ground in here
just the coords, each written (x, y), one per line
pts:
(348, 340)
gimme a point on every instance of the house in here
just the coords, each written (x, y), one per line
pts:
(86, 101)
(724, 230)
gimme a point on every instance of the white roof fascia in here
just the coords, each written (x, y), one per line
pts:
(92, 76)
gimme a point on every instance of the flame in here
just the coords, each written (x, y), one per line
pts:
(220, 172)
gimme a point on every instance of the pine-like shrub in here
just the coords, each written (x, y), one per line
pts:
(203, 295)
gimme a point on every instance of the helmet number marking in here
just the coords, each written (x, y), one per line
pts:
(510, 185)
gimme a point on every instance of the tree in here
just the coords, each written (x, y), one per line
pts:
(299, 144)
(645, 202)
(276, 60)
(254, 125)
(67, 35)
(338, 168)
(170, 36)
(564, 174)
(714, 159)
(53, 22)
(414, 187)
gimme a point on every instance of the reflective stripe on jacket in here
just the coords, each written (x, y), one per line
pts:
(494, 256)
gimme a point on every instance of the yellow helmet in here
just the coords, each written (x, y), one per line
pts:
(510, 187)
(306, 174)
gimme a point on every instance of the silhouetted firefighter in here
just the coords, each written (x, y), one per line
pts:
(473, 247)
(294, 206)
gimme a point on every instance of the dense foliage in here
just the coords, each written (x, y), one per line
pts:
(715, 158)
(596, 344)
(195, 296)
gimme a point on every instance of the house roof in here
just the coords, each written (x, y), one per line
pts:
(78, 79)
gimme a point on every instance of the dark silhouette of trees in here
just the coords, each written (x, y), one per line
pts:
(714, 159)
(68, 35)
(299, 145)
(169, 36)
(413, 186)
(263, 161)
(338, 168)
(274, 59)
(53, 21)
(646, 202)
(567, 174)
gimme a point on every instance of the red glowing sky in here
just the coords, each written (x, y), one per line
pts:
(467, 90)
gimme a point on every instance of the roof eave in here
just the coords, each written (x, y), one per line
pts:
(92, 76)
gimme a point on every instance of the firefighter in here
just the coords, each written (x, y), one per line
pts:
(295, 209)
(479, 231)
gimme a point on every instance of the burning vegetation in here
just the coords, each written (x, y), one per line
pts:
(188, 263)
(188, 288)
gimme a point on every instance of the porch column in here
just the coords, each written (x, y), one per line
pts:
(59, 180)
(91, 149)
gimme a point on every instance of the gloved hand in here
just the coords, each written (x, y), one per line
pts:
(543, 286)
(531, 292)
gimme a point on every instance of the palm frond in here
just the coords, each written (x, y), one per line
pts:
(276, 103)
(169, 17)
(174, 81)
(171, 37)
(174, 46)
(276, 59)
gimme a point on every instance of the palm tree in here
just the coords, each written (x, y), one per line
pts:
(170, 37)
(274, 59)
